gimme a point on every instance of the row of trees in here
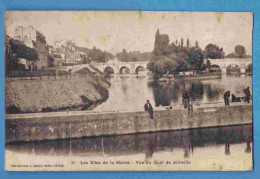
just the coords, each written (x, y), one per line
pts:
(175, 57)
(214, 52)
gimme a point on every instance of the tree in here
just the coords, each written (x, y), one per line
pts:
(181, 42)
(15, 52)
(196, 44)
(97, 55)
(213, 52)
(134, 59)
(231, 55)
(207, 65)
(161, 43)
(161, 65)
(188, 43)
(22, 51)
(240, 51)
(195, 60)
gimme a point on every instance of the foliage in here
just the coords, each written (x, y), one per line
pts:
(231, 55)
(174, 57)
(188, 43)
(161, 65)
(208, 64)
(195, 60)
(97, 55)
(160, 44)
(134, 56)
(22, 51)
(196, 44)
(240, 51)
(13, 52)
(213, 52)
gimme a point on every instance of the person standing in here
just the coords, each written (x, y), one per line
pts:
(148, 107)
(185, 98)
(247, 93)
(226, 97)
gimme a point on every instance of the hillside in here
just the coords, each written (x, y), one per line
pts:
(54, 95)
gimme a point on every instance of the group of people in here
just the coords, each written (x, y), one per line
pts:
(186, 99)
(237, 99)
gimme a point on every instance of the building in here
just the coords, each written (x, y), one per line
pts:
(36, 40)
(69, 52)
(57, 59)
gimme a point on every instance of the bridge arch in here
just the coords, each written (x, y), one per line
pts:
(233, 68)
(109, 70)
(215, 69)
(124, 70)
(139, 69)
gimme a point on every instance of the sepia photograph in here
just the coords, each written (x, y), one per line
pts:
(128, 91)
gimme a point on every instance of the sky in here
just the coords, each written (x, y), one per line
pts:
(135, 30)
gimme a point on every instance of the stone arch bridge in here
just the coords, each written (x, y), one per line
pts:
(122, 67)
(135, 67)
(224, 64)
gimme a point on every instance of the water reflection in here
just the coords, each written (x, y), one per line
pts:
(147, 144)
(131, 92)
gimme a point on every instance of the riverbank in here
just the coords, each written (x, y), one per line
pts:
(47, 95)
(52, 126)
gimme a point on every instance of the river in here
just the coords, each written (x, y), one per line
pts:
(131, 92)
(218, 148)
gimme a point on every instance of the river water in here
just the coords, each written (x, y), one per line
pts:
(218, 148)
(131, 92)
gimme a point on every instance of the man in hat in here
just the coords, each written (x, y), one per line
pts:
(148, 107)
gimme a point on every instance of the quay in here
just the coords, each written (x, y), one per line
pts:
(76, 124)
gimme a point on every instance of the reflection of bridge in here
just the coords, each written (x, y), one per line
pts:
(226, 63)
(122, 67)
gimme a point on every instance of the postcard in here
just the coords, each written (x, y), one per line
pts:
(128, 91)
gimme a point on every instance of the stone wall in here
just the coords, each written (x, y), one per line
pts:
(50, 126)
